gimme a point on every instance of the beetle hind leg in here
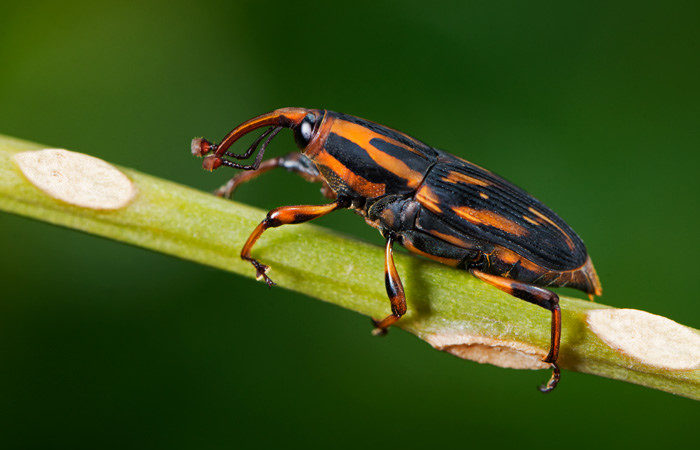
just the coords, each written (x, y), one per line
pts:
(540, 297)
(394, 289)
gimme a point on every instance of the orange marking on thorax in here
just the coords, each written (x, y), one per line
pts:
(355, 182)
(362, 137)
(490, 218)
(361, 129)
(427, 197)
(317, 153)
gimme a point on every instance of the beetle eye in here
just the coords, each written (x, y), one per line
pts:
(303, 132)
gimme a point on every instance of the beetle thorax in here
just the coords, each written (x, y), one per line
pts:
(361, 161)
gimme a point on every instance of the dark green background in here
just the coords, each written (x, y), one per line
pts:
(594, 108)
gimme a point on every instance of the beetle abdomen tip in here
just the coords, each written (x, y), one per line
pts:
(593, 285)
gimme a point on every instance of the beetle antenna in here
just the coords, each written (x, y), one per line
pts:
(271, 133)
(252, 147)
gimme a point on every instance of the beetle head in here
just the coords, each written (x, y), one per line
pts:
(304, 123)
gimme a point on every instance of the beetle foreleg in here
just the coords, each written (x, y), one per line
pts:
(285, 215)
(394, 288)
(540, 297)
(294, 162)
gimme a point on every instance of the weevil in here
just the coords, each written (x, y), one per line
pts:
(433, 203)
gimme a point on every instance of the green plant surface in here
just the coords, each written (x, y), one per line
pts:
(197, 226)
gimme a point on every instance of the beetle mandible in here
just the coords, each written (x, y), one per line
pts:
(431, 202)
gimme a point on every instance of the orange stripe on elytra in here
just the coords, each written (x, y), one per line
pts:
(451, 239)
(531, 220)
(508, 256)
(457, 177)
(567, 238)
(490, 218)
(427, 198)
(447, 261)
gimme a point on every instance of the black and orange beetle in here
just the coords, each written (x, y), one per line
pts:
(433, 203)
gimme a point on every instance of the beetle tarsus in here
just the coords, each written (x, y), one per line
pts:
(553, 380)
(381, 327)
(261, 272)
(377, 330)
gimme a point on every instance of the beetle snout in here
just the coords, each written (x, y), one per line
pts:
(218, 154)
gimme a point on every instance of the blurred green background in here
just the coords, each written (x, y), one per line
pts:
(593, 108)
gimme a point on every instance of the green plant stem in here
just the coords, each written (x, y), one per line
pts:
(179, 221)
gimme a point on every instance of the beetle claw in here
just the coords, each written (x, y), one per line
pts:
(553, 380)
(377, 330)
(267, 280)
(261, 274)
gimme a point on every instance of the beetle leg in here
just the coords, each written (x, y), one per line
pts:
(394, 288)
(294, 162)
(285, 215)
(540, 297)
